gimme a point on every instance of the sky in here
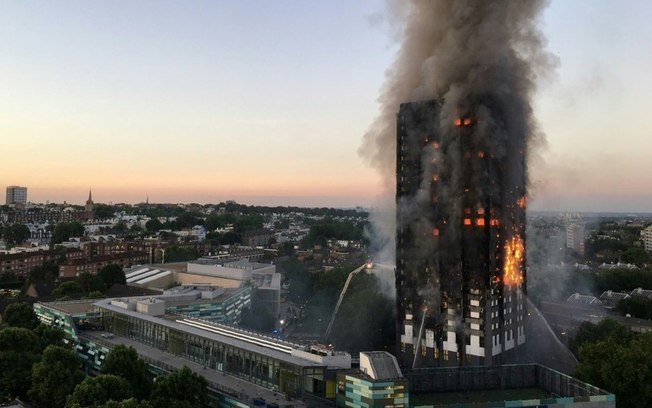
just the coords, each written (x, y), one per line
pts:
(266, 102)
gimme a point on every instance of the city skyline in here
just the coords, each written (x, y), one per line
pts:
(267, 104)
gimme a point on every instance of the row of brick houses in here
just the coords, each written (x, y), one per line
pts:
(92, 256)
(153, 249)
(22, 263)
(72, 268)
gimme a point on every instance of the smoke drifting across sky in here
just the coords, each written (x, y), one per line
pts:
(479, 57)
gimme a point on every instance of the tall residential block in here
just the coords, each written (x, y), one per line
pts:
(16, 195)
(460, 275)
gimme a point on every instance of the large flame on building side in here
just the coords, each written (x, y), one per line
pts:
(513, 256)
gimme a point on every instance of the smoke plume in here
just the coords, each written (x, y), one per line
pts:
(480, 58)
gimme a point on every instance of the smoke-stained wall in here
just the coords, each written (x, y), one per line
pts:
(460, 156)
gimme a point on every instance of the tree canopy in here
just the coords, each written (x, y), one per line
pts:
(112, 274)
(124, 362)
(66, 230)
(20, 314)
(608, 329)
(182, 388)
(14, 234)
(96, 391)
(19, 350)
(55, 377)
(128, 403)
(621, 366)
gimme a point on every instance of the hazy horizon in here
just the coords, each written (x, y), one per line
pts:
(267, 103)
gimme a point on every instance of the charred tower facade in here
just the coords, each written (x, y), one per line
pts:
(460, 275)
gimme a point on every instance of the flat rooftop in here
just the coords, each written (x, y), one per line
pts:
(445, 399)
(73, 307)
(255, 343)
(509, 385)
(227, 294)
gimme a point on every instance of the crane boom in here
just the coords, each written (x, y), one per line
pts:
(339, 300)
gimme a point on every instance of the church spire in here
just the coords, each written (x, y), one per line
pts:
(90, 207)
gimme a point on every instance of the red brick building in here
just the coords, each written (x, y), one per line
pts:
(72, 268)
(23, 262)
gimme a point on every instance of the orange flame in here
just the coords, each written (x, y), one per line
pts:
(458, 122)
(521, 202)
(513, 267)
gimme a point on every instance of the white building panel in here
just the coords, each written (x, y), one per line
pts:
(474, 348)
(407, 335)
(430, 338)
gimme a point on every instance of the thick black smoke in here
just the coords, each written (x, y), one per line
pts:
(482, 59)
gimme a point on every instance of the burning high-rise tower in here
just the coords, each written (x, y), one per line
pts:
(460, 276)
(468, 70)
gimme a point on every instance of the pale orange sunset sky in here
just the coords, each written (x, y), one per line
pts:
(267, 102)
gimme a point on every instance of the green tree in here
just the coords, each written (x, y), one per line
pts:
(67, 290)
(47, 272)
(103, 211)
(66, 230)
(637, 256)
(215, 221)
(120, 227)
(622, 367)
(129, 403)
(55, 377)
(187, 220)
(179, 254)
(112, 274)
(89, 282)
(181, 388)
(9, 277)
(49, 336)
(635, 307)
(96, 391)
(19, 350)
(123, 361)
(20, 314)
(248, 222)
(15, 234)
(607, 329)
(153, 225)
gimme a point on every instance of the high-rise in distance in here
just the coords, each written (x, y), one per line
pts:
(460, 274)
(16, 195)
